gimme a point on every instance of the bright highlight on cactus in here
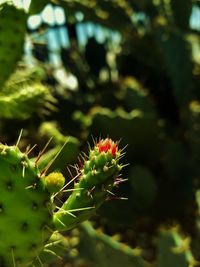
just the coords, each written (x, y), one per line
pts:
(28, 216)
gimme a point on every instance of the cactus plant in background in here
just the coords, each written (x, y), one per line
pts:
(24, 94)
(69, 153)
(30, 211)
(25, 100)
(174, 249)
(13, 29)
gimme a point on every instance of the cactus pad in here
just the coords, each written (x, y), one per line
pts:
(95, 180)
(12, 28)
(24, 212)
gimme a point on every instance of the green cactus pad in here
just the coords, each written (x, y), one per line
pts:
(174, 249)
(24, 212)
(96, 179)
(102, 250)
(12, 28)
(23, 100)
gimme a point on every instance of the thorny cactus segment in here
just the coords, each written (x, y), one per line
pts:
(95, 180)
(24, 209)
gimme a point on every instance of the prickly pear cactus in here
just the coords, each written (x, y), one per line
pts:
(27, 214)
(12, 33)
(24, 209)
(22, 102)
(174, 249)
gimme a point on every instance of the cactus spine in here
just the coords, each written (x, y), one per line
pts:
(28, 216)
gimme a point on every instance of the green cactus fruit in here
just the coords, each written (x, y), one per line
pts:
(12, 28)
(24, 209)
(54, 182)
(95, 179)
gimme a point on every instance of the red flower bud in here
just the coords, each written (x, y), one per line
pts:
(107, 145)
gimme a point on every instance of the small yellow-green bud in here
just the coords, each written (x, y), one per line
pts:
(54, 182)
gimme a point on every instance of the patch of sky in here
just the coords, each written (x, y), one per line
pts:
(100, 34)
(195, 18)
(64, 37)
(81, 34)
(56, 34)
